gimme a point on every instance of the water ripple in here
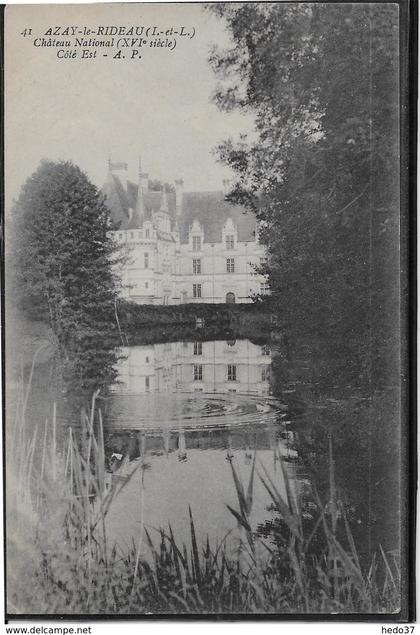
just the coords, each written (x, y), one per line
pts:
(187, 410)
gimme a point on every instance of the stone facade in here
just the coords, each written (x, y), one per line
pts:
(183, 246)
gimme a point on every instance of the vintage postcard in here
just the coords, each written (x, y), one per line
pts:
(206, 353)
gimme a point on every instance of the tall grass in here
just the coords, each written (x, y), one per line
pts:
(60, 559)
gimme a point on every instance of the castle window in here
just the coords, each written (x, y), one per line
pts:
(265, 373)
(147, 233)
(196, 243)
(146, 260)
(231, 372)
(147, 382)
(131, 234)
(196, 290)
(264, 288)
(198, 348)
(198, 372)
(230, 265)
(265, 350)
(230, 242)
(146, 284)
(196, 266)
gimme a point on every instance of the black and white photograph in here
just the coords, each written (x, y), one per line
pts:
(207, 384)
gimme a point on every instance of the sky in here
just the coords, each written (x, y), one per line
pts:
(89, 110)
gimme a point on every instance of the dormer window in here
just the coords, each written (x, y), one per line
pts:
(230, 234)
(230, 241)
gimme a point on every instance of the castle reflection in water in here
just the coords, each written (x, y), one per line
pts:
(210, 367)
(187, 396)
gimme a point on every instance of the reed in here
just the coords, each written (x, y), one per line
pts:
(60, 560)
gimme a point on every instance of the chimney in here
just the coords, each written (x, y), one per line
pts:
(119, 170)
(226, 186)
(179, 190)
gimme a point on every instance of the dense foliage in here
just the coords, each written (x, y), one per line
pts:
(61, 266)
(322, 173)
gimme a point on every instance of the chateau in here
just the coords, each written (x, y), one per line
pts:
(183, 246)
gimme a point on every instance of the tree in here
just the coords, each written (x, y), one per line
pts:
(64, 265)
(323, 173)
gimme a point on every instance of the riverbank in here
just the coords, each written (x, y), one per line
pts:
(330, 429)
(135, 316)
(63, 561)
(146, 324)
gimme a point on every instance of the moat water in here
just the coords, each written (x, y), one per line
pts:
(182, 414)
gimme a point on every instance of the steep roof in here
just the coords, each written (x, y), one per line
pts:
(117, 201)
(209, 208)
(212, 211)
(120, 201)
